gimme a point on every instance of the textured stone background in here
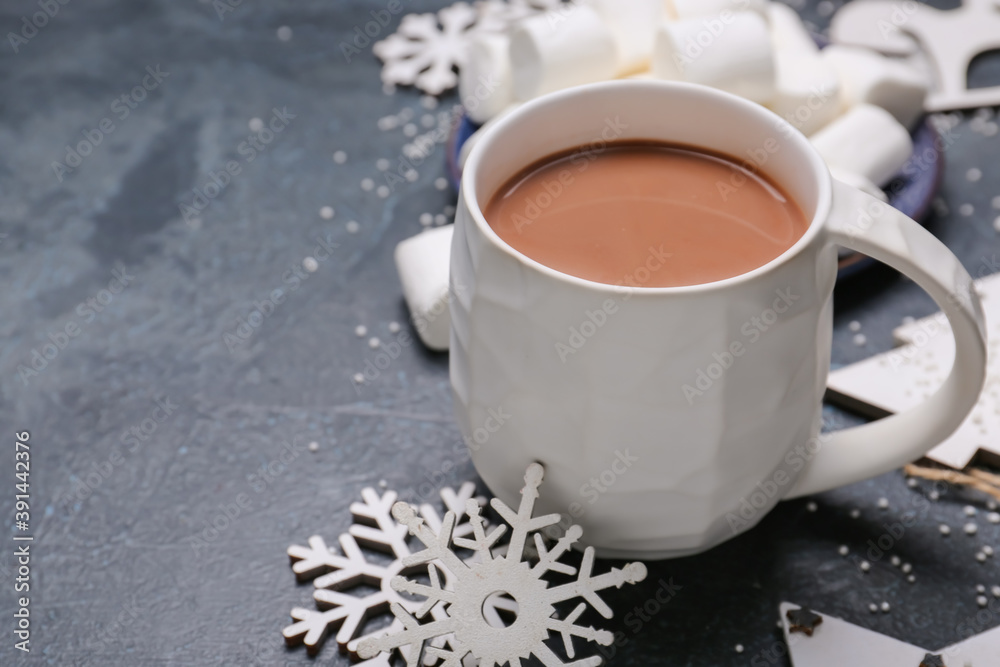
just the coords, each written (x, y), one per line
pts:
(129, 542)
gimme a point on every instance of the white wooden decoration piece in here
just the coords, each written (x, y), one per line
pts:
(334, 573)
(836, 643)
(950, 39)
(903, 377)
(475, 582)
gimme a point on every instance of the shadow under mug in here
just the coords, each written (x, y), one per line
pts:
(671, 419)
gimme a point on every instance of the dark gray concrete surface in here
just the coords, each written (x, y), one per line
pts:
(122, 548)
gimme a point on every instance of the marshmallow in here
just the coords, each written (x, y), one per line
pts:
(422, 262)
(732, 52)
(688, 9)
(808, 91)
(633, 24)
(867, 77)
(559, 49)
(788, 33)
(866, 141)
(484, 81)
(859, 182)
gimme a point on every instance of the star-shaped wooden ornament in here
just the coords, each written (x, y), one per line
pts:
(835, 643)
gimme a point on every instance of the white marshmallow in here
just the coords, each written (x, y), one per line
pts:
(866, 141)
(559, 49)
(732, 52)
(681, 10)
(808, 91)
(859, 182)
(867, 77)
(423, 264)
(633, 24)
(788, 32)
(484, 81)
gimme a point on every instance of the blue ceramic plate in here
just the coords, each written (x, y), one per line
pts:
(912, 191)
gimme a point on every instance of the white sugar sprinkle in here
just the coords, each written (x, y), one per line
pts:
(326, 212)
(360, 331)
(993, 517)
(373, 343)
(873, 608)
(945, 530)
(410, 130)
(988, 550)
(980, 588)
(411, 175)
(970, 528)
(440, 183)
(906, 568)
(933, 495)
(966, 210)
(854, 325)
(865, 566)
(738, 648)
(969, 510)
(313, 446)
(440, 219)
(981, 557)
(974, 174)
(895, 561)
(996, 202)
(981, 600)
(995, 591)
(912, 482)
(383, 191)
(256, 125)
(996, 223)
(359, 378)
(428, 102)
(912, 578)
(860, 339)
(885, 607)
(883, 503)
(310, 264)
(340, 157)
(811, 506)
(382, 484)
(367, 184)
(855, 513)
(426, 219)
(382, 164)
(843, 550)
(284, 33)
(352, 227)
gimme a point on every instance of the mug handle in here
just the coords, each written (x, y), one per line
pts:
(863, 223)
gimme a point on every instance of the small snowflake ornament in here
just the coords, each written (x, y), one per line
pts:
(334, 573)
(427, 48)
(457, 611)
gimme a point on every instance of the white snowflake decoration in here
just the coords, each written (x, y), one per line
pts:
(427, 48)
(476, 582)
(334, 573)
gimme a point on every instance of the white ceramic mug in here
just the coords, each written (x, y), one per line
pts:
(670, 419)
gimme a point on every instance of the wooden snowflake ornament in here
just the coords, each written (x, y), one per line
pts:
(458, 612)
(334, 573)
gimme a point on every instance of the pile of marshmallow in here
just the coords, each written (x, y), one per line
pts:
(856, 105)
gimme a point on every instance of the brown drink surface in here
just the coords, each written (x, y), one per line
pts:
(613, 216)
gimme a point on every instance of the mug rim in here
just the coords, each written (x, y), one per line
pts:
(821, 175)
